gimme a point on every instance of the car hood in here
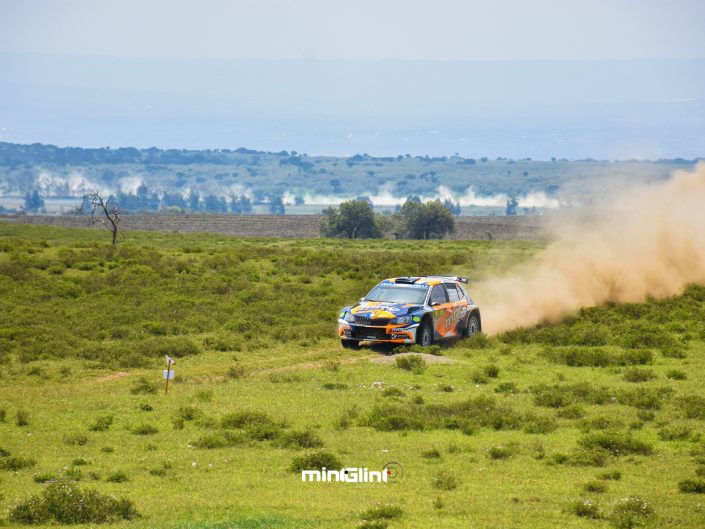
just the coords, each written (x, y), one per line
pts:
(378, 309)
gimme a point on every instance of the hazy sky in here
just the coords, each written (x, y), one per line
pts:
(359, 29)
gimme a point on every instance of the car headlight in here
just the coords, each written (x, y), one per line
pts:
(349, 317)
(402, 320)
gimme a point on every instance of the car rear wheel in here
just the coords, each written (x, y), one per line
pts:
(425, 334)
(350, 344)
(472, 326)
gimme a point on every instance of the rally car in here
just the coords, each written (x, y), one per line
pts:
(411, 310)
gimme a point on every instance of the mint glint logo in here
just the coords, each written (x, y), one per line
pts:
(390, 473)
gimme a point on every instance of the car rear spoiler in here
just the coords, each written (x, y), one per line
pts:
(452, 278)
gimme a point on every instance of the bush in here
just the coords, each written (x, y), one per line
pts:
(574, 411)
(635, 374)
(630, 512)
(616, 442)
(411, 362)
(315, 461)
(676, 374)
(22, 418)
(392, 392)
(45, 477)
(492, 371)
(64, 503)
(561, 395)
(102, 423)
(585, 508)
(692, 486)
(13, 463)
(243, 419)
(188, 413)
(506, 387)
(142, 386)
(433, 453)
(235, 372)
(77, 439)
(537, 424)
(334, 385)
(674, 433)
(610, 475)
(301, 439)
(595, 486)
(502, 451)
(693, 406)
(478, 376)
(382, 512)
(118, 477)
(144, 429)
(445, 480)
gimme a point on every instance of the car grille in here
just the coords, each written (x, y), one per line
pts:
(364, 320)
(370, 333)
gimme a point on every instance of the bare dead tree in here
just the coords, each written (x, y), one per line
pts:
(105, 212)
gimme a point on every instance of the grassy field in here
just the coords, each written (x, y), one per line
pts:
(595, 422)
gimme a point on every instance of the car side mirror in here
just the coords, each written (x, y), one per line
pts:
(362, 299)
(435, 303)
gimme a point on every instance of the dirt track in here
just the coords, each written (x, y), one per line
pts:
(304, 226)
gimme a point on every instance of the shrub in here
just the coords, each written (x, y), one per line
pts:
(79, 462)
(561, 395)
(674, 433)
(502, 451)
(145, 429)
(14, 463)
(411, 362)
(3, 414)
(315, 461)
(243, 419)
(630, 512)
(301, 439)
(22, 418)
(616, 442)
(676, 374)
(692, 486)
(595, 486)
(188, 413)
(445, 480)
(574, 411)
(77, 439)
(334, 385)
(693, 406)
(235, 372)
(478, 376)
(145, 406)
(392, 392)
(635, 374)
(537, 424)
(107, 450)
(585, 508)
(644, 398)
(610, 475)
(118, 477)
(479, 340)
(102, 424)
(142, 386)
(382, 512)
(433, 453)
(64, 503)
(600, 422)
(506, 387)
(491, 371)
(446, 388)
(161, 470)
(45, 477)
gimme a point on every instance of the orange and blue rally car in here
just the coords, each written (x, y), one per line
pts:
(411, 310)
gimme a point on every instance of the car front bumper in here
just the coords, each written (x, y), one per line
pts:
(378, 334)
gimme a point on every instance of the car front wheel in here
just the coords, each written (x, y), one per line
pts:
(350, 344)
(425, 334)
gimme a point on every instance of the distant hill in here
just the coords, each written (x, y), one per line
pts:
(213, 180)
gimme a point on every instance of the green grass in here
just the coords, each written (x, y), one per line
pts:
(533, 442)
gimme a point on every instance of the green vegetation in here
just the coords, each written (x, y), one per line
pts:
(582, 423)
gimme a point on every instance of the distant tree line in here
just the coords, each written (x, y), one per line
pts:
(356, 219)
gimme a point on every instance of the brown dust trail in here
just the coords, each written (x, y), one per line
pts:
(651, 243)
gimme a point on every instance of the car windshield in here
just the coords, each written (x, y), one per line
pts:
(412, 295)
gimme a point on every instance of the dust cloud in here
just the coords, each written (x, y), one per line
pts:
(649, 242)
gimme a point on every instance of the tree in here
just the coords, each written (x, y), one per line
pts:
(105, 212)
(354, 219)
(512, 205)
(276, 205)
(430, 220)
(33, 202)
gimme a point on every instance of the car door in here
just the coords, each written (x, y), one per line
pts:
(458, 309)
(442, 308)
